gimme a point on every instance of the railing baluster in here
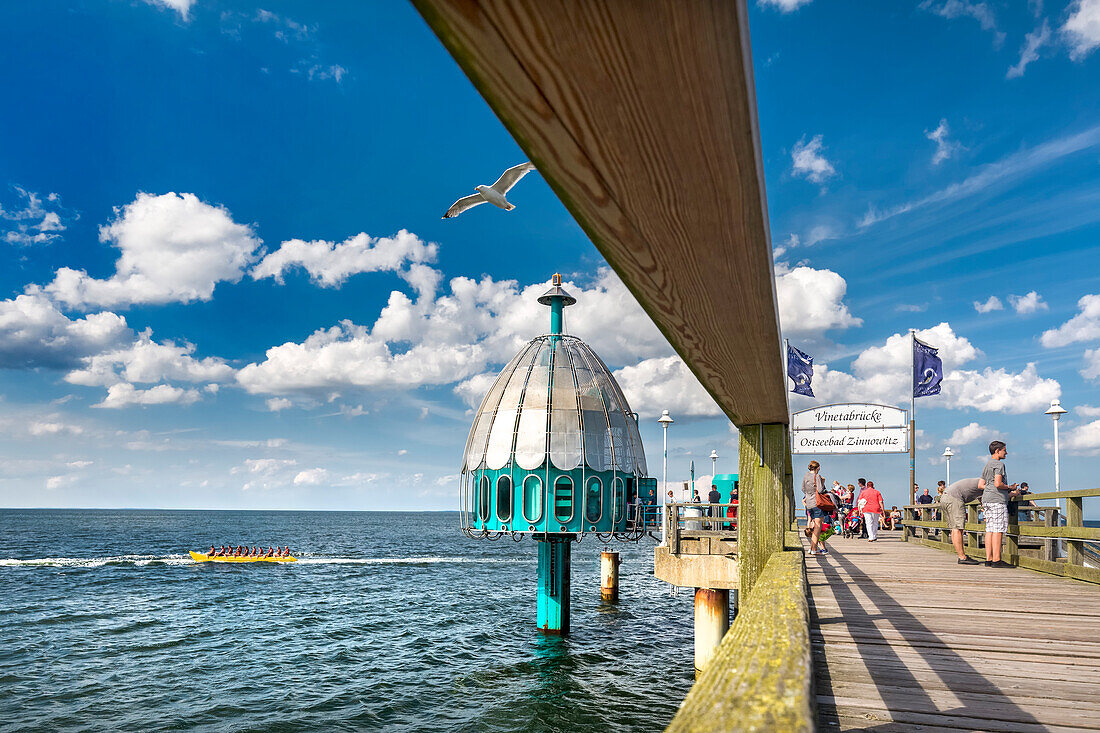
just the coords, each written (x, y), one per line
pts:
(1075, 549)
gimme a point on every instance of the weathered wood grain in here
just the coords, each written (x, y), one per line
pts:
(762, 458)
(642, 118)
(905, 637)
(760, 677)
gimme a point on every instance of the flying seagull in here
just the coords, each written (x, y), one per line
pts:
(493, 194)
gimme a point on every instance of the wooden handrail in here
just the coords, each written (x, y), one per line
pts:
(760, 677)
(918, 520)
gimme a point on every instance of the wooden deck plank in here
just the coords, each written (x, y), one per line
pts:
(903, 637)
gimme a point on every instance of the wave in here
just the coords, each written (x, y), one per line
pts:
(96, 562)
(143, 560)
(396, 560)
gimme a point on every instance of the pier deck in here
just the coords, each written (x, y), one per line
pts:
(903, 636)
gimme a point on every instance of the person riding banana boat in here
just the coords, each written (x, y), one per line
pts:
(242, 553)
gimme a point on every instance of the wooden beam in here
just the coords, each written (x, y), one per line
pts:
(762, 469)
(761, 677)
(642, 118)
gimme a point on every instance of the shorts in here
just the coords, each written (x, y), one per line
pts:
(996, 517)
(815, 513)
(954, 512)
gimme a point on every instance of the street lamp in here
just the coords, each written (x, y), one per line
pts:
(713, 463)
(665, 420)
(1056, 411)
(947, 453)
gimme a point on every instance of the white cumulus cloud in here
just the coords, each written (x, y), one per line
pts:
(808, 161)
(1082, 28)
(993, 304)
(1085, 326)
(331, 263)
(172, 248)
(784, 6)
(1092, 365)
(146, 361)
(310, 477)
(882, 374)
(183, 7)
(124, 394)
(1030, 303)
(1082, 439)
(34, 333)
(968, 434)
(665, 384)
(811, 301)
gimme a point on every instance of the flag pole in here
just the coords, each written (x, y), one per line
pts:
(912, 418)
(786, 362)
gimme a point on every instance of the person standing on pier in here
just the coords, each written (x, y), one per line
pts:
(870, 505)
(995, 498)
(812, 483)
(954, 503)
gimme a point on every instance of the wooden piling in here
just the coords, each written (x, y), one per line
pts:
(712, 621)
(609, 576)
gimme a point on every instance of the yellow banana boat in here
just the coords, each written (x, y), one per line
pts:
(203, 557)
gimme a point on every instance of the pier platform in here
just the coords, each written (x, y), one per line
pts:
(904, 638)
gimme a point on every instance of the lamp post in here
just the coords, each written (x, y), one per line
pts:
(1056, 411)
(665, 420)
(947, 453)
(713, 463)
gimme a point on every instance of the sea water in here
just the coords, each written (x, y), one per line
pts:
(389, 621)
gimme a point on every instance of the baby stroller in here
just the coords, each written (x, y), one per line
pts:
(853, 524)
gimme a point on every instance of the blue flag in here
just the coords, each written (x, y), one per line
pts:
(800, 368)
(927, 370)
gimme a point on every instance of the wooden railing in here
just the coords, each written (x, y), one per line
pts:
(921, 525)
(695, 520)
(761, 677)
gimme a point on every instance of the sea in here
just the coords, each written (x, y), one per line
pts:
(390, 621)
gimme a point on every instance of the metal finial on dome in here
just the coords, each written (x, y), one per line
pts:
(557, 291)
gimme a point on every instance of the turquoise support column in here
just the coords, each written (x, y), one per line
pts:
(556, 308)
(553, 597)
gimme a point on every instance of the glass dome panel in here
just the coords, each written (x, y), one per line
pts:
(479, 431)
(531, 438)
(597, 441)
(620, 442)
(502, 434)
(636, 448)
(565, 424)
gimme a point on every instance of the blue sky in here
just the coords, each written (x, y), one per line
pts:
(226, 283)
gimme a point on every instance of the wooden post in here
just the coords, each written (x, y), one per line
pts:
(609, 576)
(788, 492)
(971, 518)
(761, 468)
(1075, 549)
(674, 529)
(1050, 547)
(1012, 538)
(712, 621)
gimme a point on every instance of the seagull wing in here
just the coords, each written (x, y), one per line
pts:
(511, 177)
(467, 202)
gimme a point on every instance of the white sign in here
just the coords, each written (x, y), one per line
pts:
(850, 428)
(849, 416)
(860, 440)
